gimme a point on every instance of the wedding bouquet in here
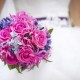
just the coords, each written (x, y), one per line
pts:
(23, 42)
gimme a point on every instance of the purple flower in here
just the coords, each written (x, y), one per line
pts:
(5, 22)
(49, 42)
(42, 54)
(35, 23)
(48, 35)
(47, 47)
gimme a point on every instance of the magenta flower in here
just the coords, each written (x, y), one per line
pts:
(25, 55)
(3, 55)
(5, 34)
(40, 38)
(11, 59)
(23, 17)
(19, 26)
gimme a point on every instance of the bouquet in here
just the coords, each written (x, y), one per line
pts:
(23, 42)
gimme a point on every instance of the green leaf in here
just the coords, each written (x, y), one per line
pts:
(47, 60)
(50, 31)
(14, 66)
(11, 67)
(17, 67)
(23, 68)
(4, 62)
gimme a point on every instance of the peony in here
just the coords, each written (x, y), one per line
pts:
(25, 55)
(5, 34)
(40, 38)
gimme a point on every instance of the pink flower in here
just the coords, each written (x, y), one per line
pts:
(5, 34)
(26, 55)
(3, 55)
(40, 38)
(19, 26)
(11, 59)
(24, 32)
(23, 17)
(26, 37)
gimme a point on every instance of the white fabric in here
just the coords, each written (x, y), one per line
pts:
(39, 8)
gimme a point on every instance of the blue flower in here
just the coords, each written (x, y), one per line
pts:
(5, 22)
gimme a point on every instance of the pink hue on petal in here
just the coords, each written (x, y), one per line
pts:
(11, 59)
(40, 38)
(25, 55)
(3, 55)
(24, 18)
(19, 26)
(5, 34)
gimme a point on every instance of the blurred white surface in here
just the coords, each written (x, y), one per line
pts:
(41, 8)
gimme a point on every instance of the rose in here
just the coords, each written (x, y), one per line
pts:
(40, 38)
(11, 59)
(26, 37)
(25, 33)
(5, 34)
(19, 26)
(19, 16)
(25, 55)
(23, 17)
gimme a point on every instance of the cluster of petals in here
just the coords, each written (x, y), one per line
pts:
(23, 41)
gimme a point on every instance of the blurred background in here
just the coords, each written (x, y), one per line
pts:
(61, 12)
(64, 17)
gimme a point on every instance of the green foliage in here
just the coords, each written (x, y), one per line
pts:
(47, 60)
(13, 67)
(50, 31)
